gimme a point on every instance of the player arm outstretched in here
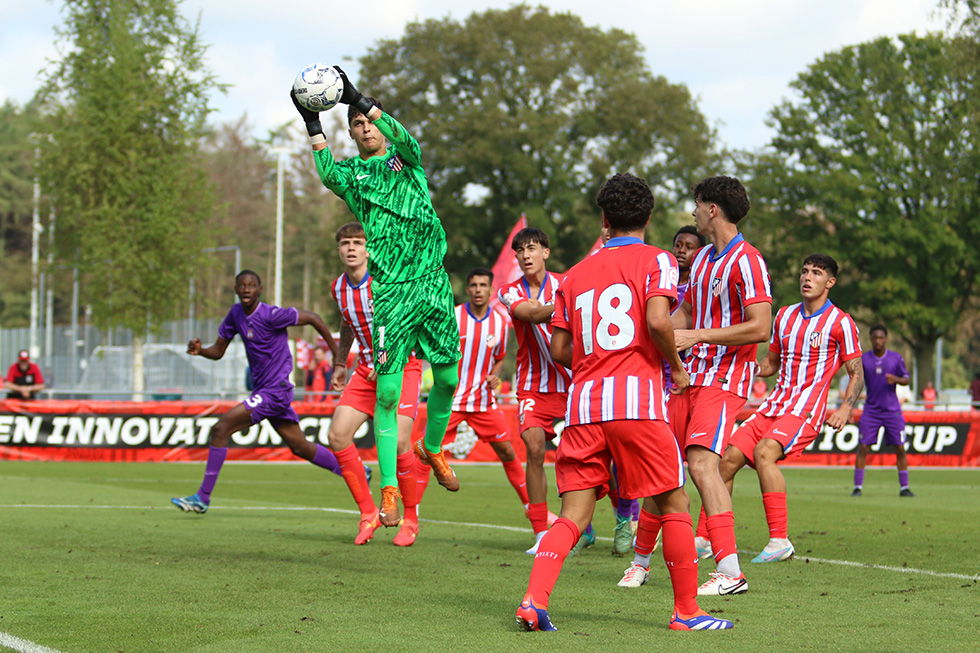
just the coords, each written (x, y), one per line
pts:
(661, 328)
(331, 175)
(841, 416)
(309, 317)
(755, 329)
(339, 381)
(214, 352)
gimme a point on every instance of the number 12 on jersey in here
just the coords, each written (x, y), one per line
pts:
(613, 308)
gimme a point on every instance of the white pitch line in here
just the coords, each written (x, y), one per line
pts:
(515, 529)
(23, 645)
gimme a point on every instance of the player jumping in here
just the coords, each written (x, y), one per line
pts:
(262, 329)
(386, 189)
(612, 326)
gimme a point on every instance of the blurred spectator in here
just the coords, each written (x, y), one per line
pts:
(928, 394)
(904, 394)
(975, 391)
(318, 379)
(24, 379)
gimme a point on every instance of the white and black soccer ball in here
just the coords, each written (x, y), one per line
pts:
(318, 87)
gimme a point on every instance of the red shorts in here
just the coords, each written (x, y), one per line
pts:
(362, 394)
(648, 461)
(704, 416)
(541, 409)
(489, 426)
(790, 431)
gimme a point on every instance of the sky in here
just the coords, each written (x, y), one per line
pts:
(736, 57)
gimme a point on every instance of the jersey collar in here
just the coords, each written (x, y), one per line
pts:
(622, 241)
(478, 319)
(527, 287)
(364, 280)
(732, 243)
(820, 311)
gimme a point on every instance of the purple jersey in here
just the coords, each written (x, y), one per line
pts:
(881, 394)
(266, 342)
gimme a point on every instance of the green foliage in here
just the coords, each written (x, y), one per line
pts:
(525, 111)
(877, 165)
(124, 109)
(16, 207)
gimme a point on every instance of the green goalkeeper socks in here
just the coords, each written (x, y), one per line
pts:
(445, 376)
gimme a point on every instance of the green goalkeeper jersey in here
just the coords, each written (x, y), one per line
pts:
(389, 195)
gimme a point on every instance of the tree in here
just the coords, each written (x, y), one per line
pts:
(524, 111)
(878, 163)
(125, 107)
(16, 205)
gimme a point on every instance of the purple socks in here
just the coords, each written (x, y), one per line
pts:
(324, 458)
(903, 479)
(858, 477)
(216, 458)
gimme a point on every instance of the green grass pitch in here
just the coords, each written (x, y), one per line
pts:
(96, 559)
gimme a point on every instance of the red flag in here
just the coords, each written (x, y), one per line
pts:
(506, 269)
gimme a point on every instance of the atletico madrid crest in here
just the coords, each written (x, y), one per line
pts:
(816, 339)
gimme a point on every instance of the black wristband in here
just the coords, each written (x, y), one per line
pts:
(362, 104)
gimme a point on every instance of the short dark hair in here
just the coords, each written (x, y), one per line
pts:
(823, 262)
(479, 272)
(878, 327)
(247, 272)
(690, 229)
(727, 192)
(352, 112)
(350, 230)
(626, 201)
(527, 236)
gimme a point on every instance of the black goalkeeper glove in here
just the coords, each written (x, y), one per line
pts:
(311, 118)
(352, 96)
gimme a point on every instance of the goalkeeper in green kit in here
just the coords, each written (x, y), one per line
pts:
(414, 309)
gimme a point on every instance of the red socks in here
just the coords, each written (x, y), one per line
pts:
(721, 532)
(646, 532)
(352, 470)
(681, 558)
(776, 514)
(515, 474)
(702, 530)
(407, 485)
(538, 514)
(552, 551)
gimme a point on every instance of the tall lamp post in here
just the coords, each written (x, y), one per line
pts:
(280, 152)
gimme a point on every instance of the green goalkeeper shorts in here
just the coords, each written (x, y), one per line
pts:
(418, 314)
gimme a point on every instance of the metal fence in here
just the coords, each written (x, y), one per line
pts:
(94, 364)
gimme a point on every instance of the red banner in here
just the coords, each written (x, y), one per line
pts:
(178, 431)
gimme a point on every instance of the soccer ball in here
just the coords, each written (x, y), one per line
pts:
(318, 87)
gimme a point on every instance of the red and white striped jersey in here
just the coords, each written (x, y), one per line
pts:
(811, 349)
(617, 370)
(482, 343)
(536, 371)
(721, 288)
(358, 312)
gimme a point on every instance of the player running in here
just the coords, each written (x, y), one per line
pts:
(612, 326)
(352, 292)
(386, 189)
(483, 342)
(727, 311)
(884, 371)
(542, 384)
(262, 329)
(809, 343)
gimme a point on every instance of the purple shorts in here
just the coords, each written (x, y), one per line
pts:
(872, 420)
(271, 404)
